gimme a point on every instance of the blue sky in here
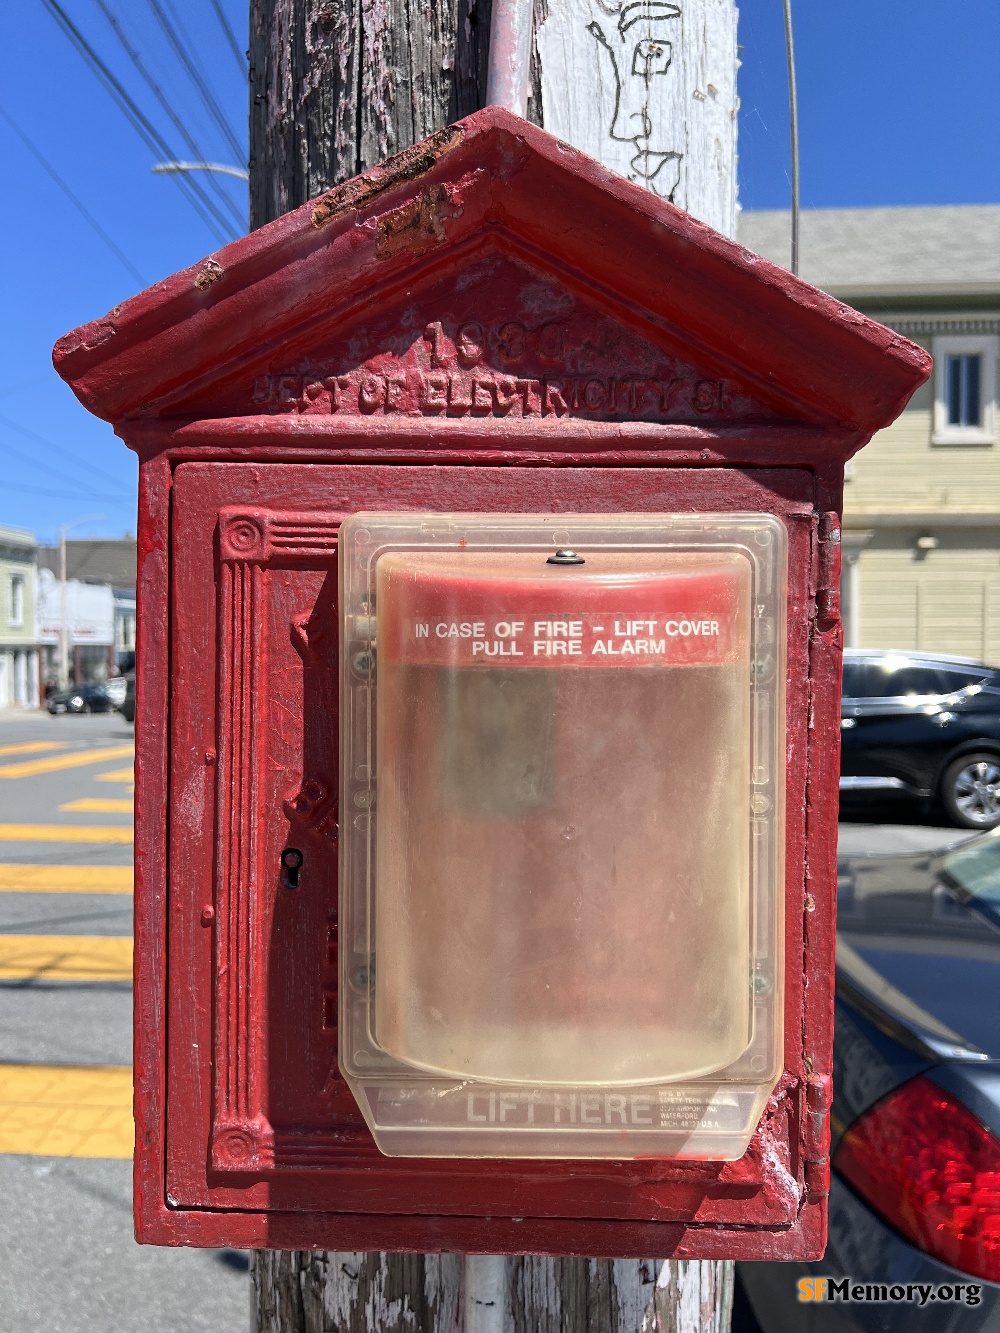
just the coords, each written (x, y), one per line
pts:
(899, 105)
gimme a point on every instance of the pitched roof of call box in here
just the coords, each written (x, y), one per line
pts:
(491, 270)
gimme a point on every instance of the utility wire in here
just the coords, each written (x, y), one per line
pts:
(60, 449)
(180, 42)
(23, 384)
(32, 459)
(140, 123)
(77, 204)
(60, 495)
(793, 109)
(165, 103)
(241, 59)
(193, 49)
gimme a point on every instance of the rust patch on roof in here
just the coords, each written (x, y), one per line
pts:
(403, 166)
(416, 226)
(210, 272)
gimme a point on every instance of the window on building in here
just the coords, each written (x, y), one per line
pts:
(965, 390)
(16, 601)
(965, 375)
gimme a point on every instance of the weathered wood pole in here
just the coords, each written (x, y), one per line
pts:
(335, 86)
(647, 88)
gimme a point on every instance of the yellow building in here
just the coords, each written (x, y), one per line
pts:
(18, 642)
(922, 501)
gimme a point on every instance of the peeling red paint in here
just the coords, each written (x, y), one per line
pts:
(417, 226)
(211, 271)
(404, 166)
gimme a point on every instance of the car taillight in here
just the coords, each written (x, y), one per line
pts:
(926, 1164)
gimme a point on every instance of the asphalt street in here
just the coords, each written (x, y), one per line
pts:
(69, 1262)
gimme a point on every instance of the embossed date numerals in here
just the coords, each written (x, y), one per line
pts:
(511, 344)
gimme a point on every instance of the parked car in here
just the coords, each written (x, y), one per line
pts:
(81, 699)
(923, 727)
(915, 1191)
(127, 705)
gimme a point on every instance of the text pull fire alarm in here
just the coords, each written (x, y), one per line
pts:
(562, 831)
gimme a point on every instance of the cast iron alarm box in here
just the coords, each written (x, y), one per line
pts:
(488, 704)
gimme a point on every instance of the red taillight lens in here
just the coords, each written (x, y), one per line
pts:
(927, 1165)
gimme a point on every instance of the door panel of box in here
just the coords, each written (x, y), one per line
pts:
(257, 1115)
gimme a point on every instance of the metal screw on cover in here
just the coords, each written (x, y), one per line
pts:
(565, 557)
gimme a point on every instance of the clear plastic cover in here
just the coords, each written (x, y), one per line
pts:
(561, 831)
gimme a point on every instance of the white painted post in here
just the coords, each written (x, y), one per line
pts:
(485, 1293)
(648, 87)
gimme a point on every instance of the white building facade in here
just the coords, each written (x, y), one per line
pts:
(921, 567)
(90, 624)
(18, 641)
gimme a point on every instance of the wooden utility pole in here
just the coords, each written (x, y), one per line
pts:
(649, 89)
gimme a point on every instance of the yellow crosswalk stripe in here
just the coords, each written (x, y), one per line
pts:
(76, 759)
(65, 957)
(33, 747)
(65, 833)
(104, 805)
(117, 775)
(58, 1111)
(65, 879)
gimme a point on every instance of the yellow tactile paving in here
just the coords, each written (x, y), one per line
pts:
(76, 759)
(65, 879)
(65, 958)
(65, 833)
(100, 805)
(33, 747)
(54, 1111)
(116, 775)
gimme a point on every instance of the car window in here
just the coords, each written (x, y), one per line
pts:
(895, 678)
(961, 680)
(853, 682)
(920, 680)
(973, 869)
(863, 680)
(891, 679)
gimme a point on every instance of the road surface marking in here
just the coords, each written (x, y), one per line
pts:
(32, 767)
(65, 958)
(65, 833)
(32, 747)
(59, 1111)
(118, 775)
(100, 805)
(65, 879)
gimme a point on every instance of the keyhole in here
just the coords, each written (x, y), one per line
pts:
(291, 864)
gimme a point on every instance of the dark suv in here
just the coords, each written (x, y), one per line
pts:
(925, 727)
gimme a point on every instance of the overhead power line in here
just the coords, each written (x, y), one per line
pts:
(82, 490)
(60, 449)
(179, 40)
(241, 59)
(61, 495)
(148, 132)
(167, 106)
(47, 166)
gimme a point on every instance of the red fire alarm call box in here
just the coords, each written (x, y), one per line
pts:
(488, 705)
